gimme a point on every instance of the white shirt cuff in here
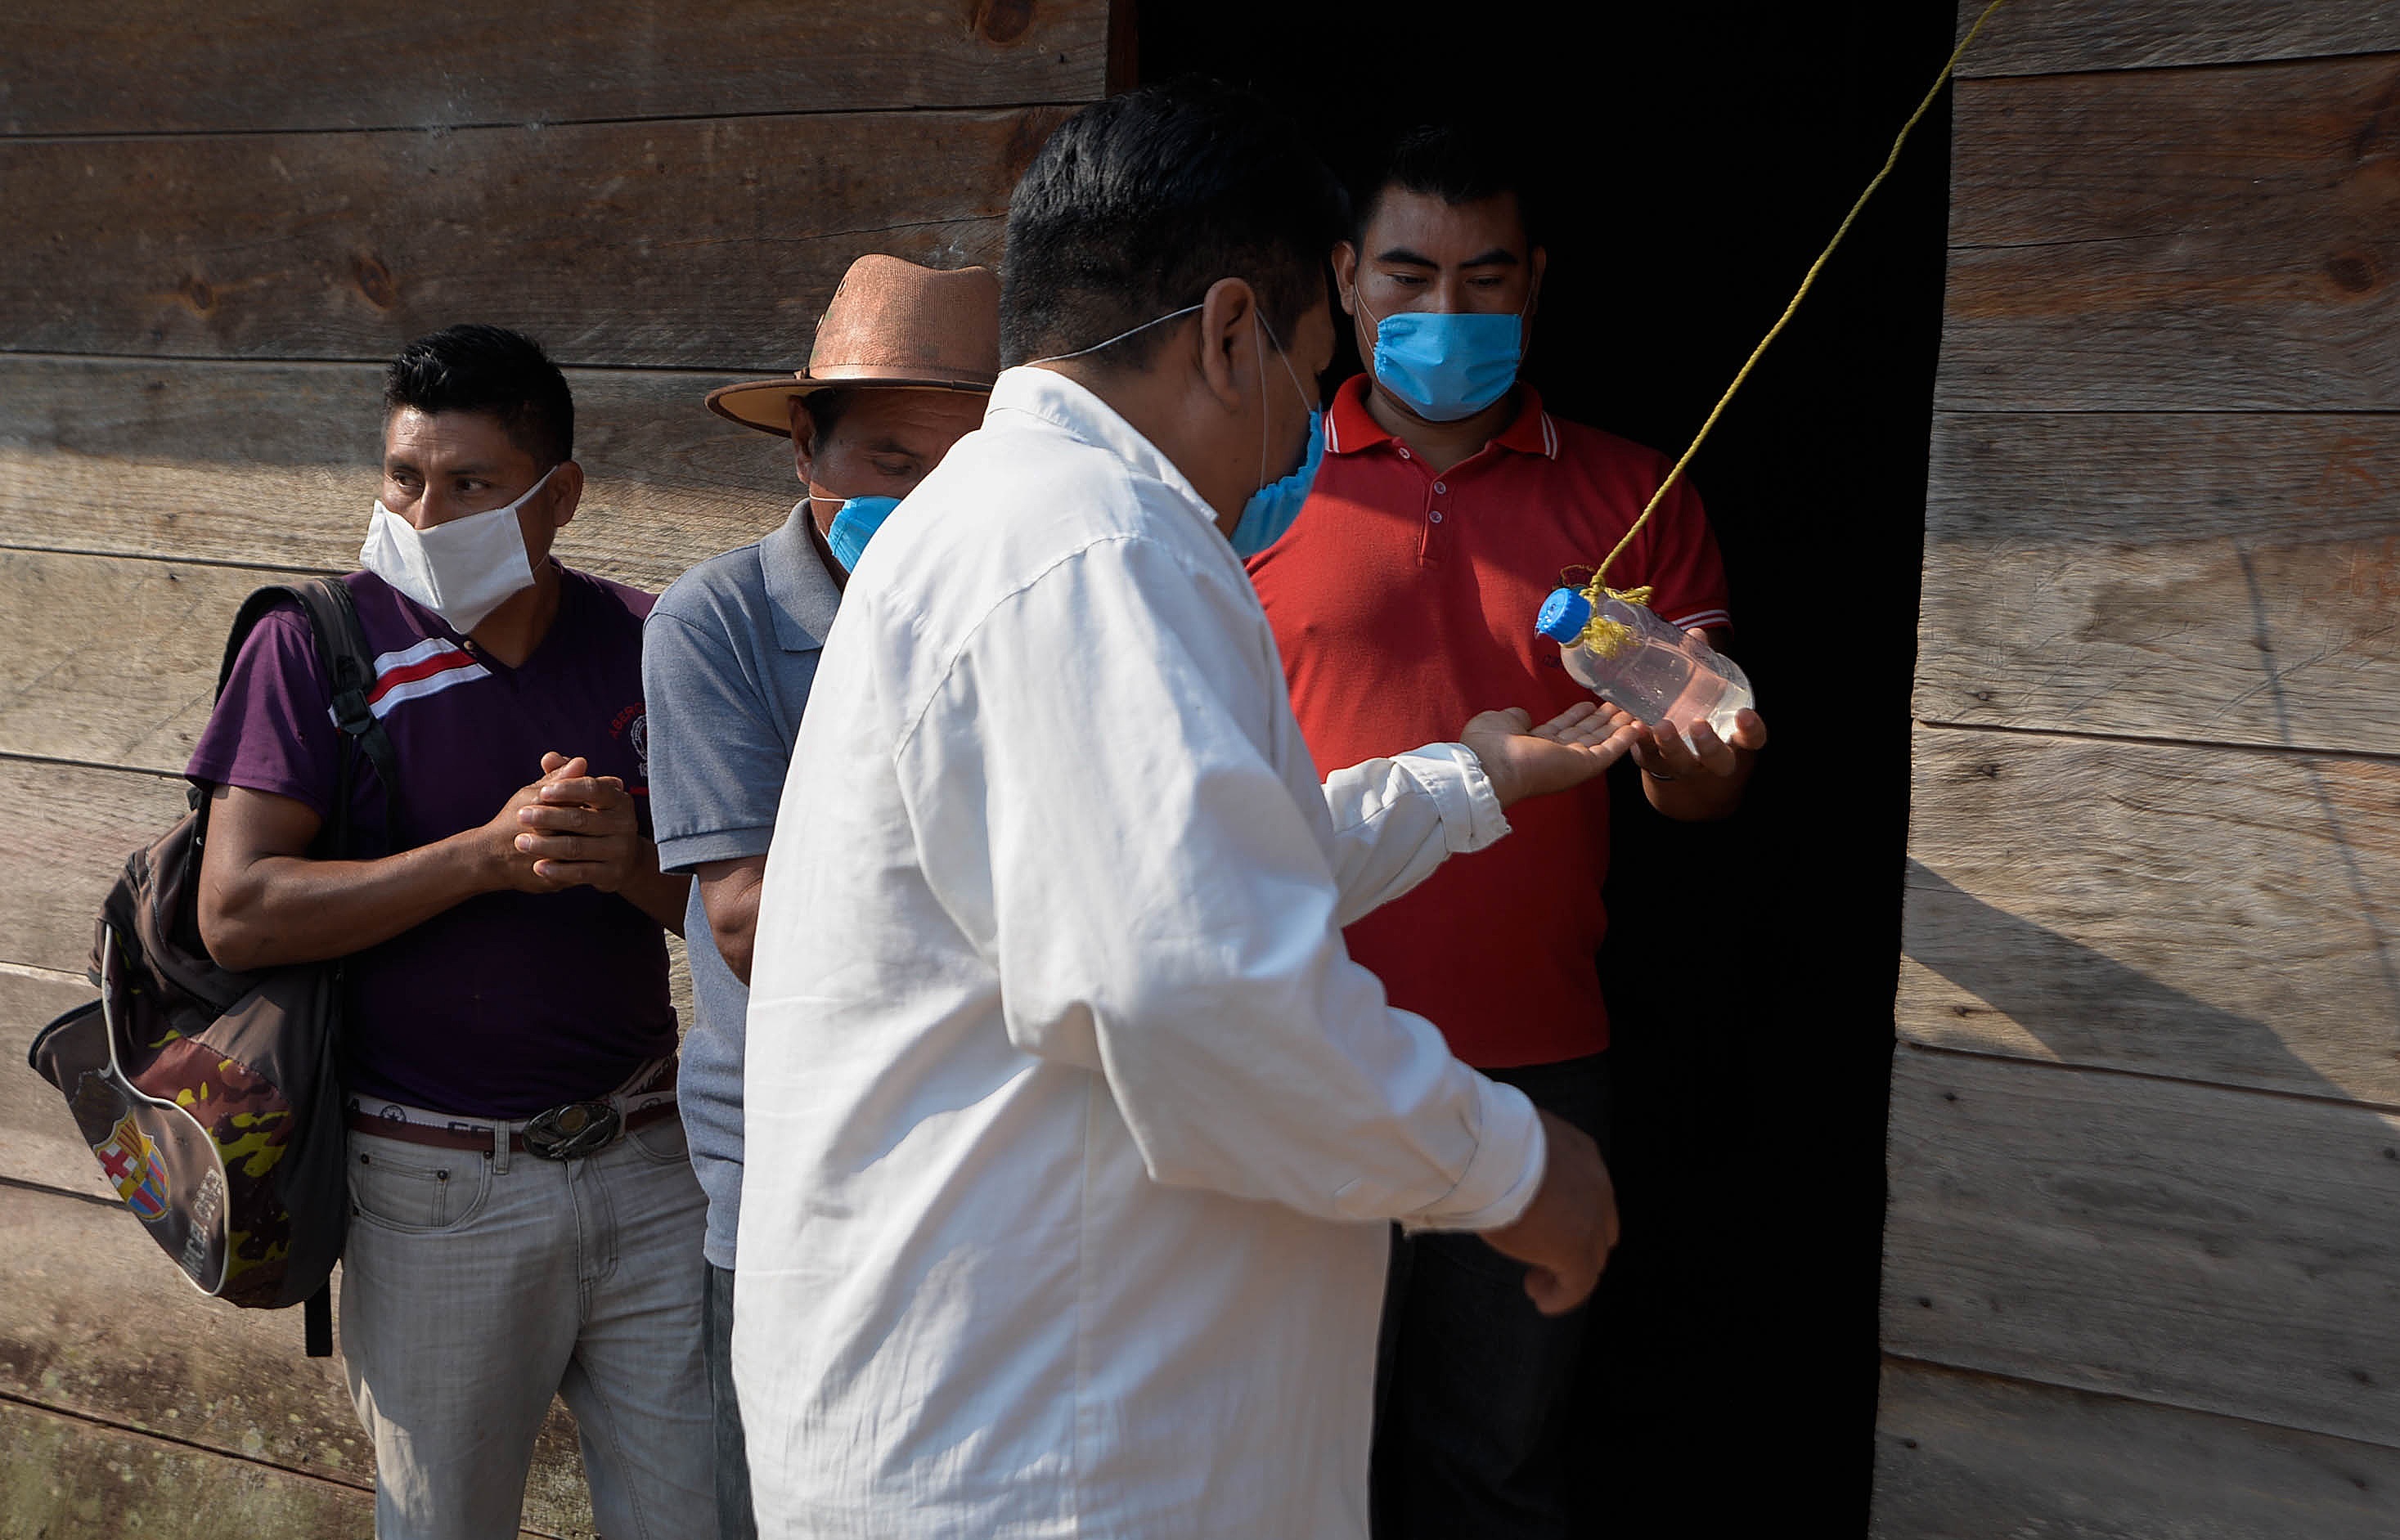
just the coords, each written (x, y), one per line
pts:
(1507, 1168)
(1462, 794)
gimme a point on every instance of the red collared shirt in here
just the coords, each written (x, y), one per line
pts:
(1403, 602)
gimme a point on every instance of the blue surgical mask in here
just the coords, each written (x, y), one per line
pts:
(856, 524)
(1448, 365)
(1272, 508)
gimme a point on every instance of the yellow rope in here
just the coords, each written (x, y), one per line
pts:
(1605, 635)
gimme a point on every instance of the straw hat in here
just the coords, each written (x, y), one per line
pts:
(893, 325)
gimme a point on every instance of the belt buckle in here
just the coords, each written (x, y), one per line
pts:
(578, 1128)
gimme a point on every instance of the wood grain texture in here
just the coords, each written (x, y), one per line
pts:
(2232, 577)
(710, 244)
(1968, 1457)
(2206, 913)
(133, 689)
(275, 465)
(2057, 36)
(66, 837)
(252, 64)
(2216, 1249)
(95, 1321)
(65, 1477)
(39, 1143)
(2190, 239)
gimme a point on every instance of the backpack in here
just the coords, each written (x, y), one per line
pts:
(211, 1098)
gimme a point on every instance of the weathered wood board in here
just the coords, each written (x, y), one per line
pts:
(274, 465)
(217, 65)
(2057, 36)
(72, 1479)
(39, 1144)
(2185, 1244)
(1968, 1457)
(2177, 240)
(67, 833)
(2214, 914)
(712, 243)
(131, 684)
(2232, 577)
(68, 1479)
(150, 1352)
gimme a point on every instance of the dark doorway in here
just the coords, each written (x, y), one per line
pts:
(1695, 158)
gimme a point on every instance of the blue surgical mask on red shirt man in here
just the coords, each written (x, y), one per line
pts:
(1447, 365)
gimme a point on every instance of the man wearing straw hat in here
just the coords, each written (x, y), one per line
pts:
(904, 359)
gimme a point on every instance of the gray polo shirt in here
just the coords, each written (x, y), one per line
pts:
(727, 657)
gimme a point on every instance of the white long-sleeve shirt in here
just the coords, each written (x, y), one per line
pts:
(1072, 1127)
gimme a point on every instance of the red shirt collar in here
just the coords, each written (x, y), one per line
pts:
(1350, 427)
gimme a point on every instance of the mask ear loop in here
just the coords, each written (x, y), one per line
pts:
(1159, 321)
(1258, 317)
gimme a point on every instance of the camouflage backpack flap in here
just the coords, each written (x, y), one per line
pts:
(202, 1121)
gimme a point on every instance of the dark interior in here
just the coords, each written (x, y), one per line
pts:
(1694, 159)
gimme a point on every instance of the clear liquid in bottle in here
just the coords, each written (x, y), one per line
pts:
(1657, 673)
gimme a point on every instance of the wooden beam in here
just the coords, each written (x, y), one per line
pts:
(2223, 576)
(66, 837)
(709, 243)
(63, 1475)
(219, 64)
(39, 1143)
(2206, 913)
(96, 1322)
(135, 691)
(274, 465)
(2177, 240)
(1967, 1457)
(2057, 36)
(2221, 1250)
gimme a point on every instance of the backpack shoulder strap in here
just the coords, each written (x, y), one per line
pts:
(349, 673)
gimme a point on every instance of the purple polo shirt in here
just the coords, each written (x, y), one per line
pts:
(510, 1002)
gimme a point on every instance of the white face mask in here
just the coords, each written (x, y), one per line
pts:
(462, 570)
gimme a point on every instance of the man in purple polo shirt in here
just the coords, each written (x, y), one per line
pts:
(507, 974)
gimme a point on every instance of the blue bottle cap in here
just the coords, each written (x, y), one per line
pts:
(1563, 616)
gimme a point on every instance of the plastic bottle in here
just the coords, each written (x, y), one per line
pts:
(1658, 673)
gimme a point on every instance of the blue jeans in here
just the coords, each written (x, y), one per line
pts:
(735, 1519)
(477, 1285)
(1471, 1388)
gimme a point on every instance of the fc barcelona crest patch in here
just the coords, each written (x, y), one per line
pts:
(131, 1162)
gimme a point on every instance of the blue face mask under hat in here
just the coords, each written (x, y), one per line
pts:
(856, 524)
(1448, 365)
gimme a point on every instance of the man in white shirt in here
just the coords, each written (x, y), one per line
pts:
(1072, 1129)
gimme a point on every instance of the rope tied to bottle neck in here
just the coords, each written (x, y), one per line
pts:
(1607, 637)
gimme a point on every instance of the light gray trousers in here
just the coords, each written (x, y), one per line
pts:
(475, 1285)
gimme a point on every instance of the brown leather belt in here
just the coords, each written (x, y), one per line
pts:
(469, 1138)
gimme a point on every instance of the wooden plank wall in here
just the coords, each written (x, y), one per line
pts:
(222, 215)
(2141, 1268)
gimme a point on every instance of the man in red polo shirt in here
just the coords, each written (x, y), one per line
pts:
(1447, 505)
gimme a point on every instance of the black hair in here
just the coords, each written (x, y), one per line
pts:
(1140, 202)
(824, 409)
(1454, 162)
(493, 371)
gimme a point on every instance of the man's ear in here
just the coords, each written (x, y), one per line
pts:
(568, 480)
(1229, 340)
(1540, 265)
(1345, 277)
(804, 440)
